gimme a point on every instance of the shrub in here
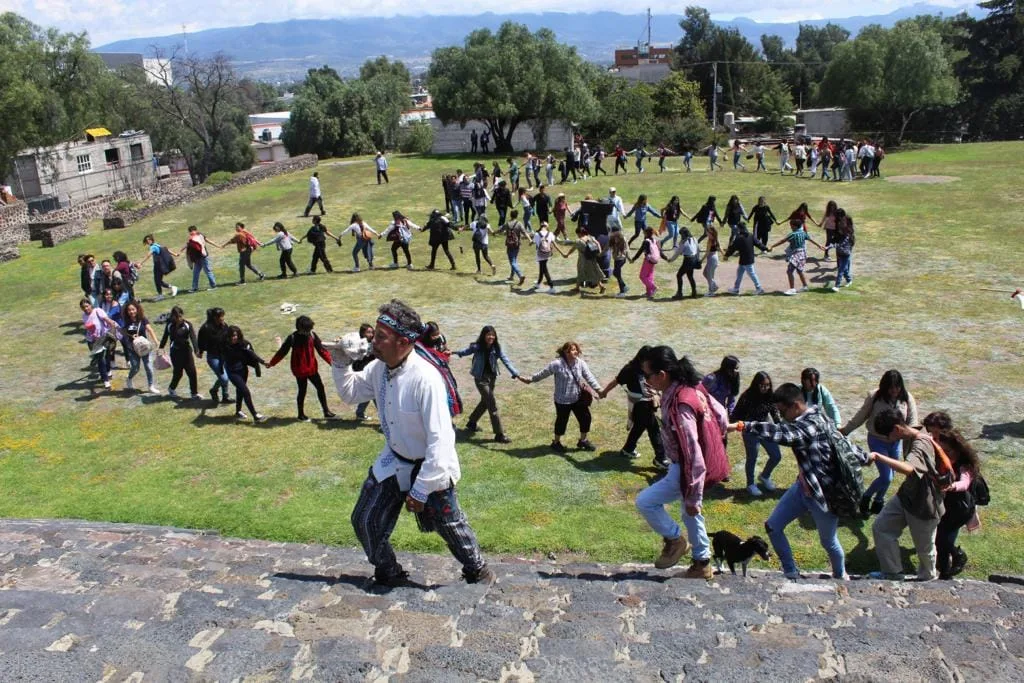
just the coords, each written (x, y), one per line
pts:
(218, 178)
(127, 204)
(417, 138)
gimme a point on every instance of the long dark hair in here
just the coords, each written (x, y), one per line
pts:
(754, 390)
(484, 331)
(953, 440)
(729, 369)
(663, 358)
(233, 330)
(891, 378)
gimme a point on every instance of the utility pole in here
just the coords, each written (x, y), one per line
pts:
(714, 96)
(648, 27)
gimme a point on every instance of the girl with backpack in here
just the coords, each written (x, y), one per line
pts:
(246, 243)
(756, 405)
(163, 264)
(198, 257)
(544, 241)
(572, 377)
(305, 345)
(285, 242)
(486, 352)
(652, 255)
(639, 211)
(239, 356)
(364, 235)
(891, 394)
(588, 265)
(692, 431)
(100, 332)
(182, 335)
(515, 233)
(844, 240)
(620, 254)
(399, 233)
(481, 240)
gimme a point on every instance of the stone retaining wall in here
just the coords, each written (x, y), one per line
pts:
(9, 252)
(12, 218)
(52, 234)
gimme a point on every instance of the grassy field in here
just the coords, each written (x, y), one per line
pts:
(924, 251)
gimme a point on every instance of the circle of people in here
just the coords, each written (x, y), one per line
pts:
(936, 499)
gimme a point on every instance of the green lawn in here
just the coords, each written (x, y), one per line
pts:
(924, 252)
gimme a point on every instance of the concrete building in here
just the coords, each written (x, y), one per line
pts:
(829, 122)
(100, 165)
(267, 126)
(157, 70)
(454, 137)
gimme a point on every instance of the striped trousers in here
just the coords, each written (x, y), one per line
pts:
(376, 513)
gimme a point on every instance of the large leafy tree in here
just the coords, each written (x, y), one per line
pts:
(51, 87)
(802, 68)
(887, 76)
(992, 69)
(508, 78)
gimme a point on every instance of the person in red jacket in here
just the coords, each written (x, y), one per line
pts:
(304, 345)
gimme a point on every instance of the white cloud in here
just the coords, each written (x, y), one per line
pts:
(109, 20)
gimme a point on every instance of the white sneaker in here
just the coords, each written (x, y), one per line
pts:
(409, 266)
(804, 288)
(174, 291)
(766, 483)
(849, 284)
(834, 289)
(734, 291)
(241, 416)
(620, 295)
(551, 290)
(760, 292)
(106, 384)
(355, 269)
(393, 266)
(790, 292)
(153, 389)
(158, 297)
(754, 491)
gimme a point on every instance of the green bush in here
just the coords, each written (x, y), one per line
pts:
(127, 204)
(417, 138)
(218, 178)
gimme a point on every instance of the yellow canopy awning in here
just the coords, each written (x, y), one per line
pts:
(98, 132)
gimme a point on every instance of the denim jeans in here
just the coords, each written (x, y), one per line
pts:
(795, 502)
(651, 504)
(456, 210)
(220, 372)
(881, 484)
(750, 444)
(749, 270)
(366, 248)
(513, 261)
(673, 233)
(134, 360)
(204, 266)
(843, 268)
(617, 272)
(527, 215)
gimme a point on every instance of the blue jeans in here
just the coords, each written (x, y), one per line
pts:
(843, 268)
(513, 261)
(673, 233)
(795, 502)
(204, 266)
(749, 270)
(881, 484)
(750, 444)
(220, 371)
(527, 215)
(134, 360)
(456, 209)
(617, 272)
(364, 246)
(651, 504)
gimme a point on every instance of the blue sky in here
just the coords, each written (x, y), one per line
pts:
(109, 20)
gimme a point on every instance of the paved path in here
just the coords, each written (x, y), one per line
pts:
(82, 601)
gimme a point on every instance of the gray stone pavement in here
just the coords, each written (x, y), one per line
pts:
(84, 601)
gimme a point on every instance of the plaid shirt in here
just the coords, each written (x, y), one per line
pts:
(568, 379)
(808, 437)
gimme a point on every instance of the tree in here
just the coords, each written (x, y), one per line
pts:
(675, 96)
(890, 75)
(204, 97)
(388, 86)
(992, 69)
(508, 78)
(51, 87)
(773, 104)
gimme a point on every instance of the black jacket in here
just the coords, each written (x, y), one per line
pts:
(744, 244)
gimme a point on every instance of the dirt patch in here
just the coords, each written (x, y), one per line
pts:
(922, 179)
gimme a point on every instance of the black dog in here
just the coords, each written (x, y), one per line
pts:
(731, 549)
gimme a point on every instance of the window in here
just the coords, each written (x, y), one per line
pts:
(84, 162)
(136, 150)
(112, 156)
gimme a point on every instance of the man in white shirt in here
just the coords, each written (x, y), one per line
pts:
(314, 194)
(618, 210)
(418, 465)
(382, 168)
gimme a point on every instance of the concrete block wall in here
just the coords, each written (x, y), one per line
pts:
(454, 139)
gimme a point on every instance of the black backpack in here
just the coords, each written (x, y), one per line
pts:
(166, 258)
(843, 497)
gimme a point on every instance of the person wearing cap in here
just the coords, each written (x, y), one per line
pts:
(418, 465)
(399, 233)
(382, 168)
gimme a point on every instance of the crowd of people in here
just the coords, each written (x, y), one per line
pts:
(935, 500)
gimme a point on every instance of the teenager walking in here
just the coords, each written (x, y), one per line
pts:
(764, 219)
(845, 239)
(796, 255)
(315, 196)
(515, 235)
(246, 243)
(689, 249)
(486, 352)
(99, 327)
(182, 336)
(743, 244)
(211, 340)
(440, 233)
(285, 243)
(239, 356)
(317, 236)
(639, 211)
(544, 242)
(305, 345)
(198, 256)
(572, 377)
(756, 404)
(399, 233)
(641, 414)
(652, 255)
(136, 326)
(364, 236)
(620, 254)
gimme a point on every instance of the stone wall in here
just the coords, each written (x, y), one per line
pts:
(8, 252)
(13, 218)
(51, 234)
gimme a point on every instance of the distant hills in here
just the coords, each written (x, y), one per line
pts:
(284, 51)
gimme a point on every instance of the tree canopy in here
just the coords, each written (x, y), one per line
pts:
(507, 78)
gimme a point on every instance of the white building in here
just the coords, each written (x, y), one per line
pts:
(268, 125)
(454, 138)
(157, 70)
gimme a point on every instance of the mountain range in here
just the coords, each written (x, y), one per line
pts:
(284, 51)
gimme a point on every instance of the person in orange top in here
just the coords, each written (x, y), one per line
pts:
(246, 243)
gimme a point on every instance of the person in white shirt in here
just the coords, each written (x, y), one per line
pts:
(364, 235)
(314, 194)
(418, 465)
(382, 168)
(544, 241)
(399, 233)
(618, 210)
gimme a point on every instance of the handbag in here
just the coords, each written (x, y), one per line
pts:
(586, 398)
(141, 345)
(162, 361)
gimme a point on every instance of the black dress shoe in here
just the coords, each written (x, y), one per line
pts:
(501, 438)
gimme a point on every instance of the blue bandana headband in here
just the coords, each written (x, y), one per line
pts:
(397, 327)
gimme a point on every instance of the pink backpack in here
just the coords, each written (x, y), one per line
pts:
(654, 253)
(709, 434)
